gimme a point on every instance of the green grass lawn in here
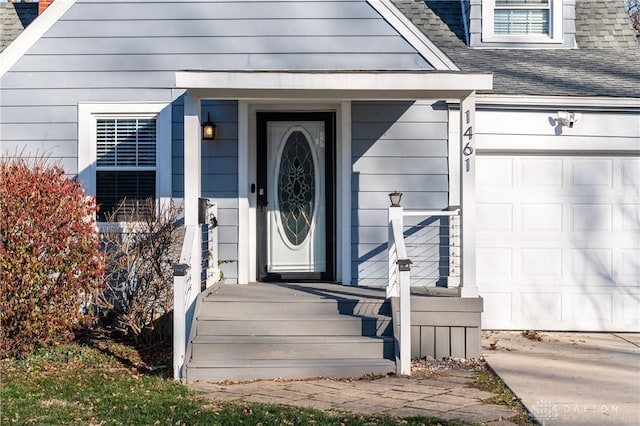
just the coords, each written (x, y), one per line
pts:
(75, 384)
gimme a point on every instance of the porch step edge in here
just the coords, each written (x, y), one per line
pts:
(279, 339)
(240, 363)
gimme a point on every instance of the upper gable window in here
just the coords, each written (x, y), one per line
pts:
(522, 21)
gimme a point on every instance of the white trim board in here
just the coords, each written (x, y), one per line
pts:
(32, 34)
(369, 84)
(598, 103)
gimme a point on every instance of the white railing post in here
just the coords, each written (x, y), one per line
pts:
(180, 283)
(186, 286)
(400, 285)
(405, 318)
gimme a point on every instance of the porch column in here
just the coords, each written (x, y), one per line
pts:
(192, 155)
(469, 286)
(193, 176)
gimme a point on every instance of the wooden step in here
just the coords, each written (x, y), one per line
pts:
(287, 369)
(262, 331)
(299, 308)
(214, 348)
(326, 325)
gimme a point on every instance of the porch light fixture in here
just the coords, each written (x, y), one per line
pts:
(395, 198)
(208, 129)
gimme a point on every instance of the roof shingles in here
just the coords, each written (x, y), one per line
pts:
(605, 64)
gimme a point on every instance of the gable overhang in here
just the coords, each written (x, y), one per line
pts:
(356, 85)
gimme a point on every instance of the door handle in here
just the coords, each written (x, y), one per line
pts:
(262, 198)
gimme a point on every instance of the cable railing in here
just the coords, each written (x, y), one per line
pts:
(197, 269)
(424, 250)
(432, 240)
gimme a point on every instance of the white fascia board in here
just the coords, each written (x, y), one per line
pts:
(416, 38)
(545, 102)
(352, 82)
(32, 34)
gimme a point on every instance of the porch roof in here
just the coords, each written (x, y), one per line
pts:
(333, 84)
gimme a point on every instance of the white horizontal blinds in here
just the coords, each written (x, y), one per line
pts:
(126, 163)
(521, 17)
(126, 142)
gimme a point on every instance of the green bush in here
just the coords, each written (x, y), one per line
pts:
(50, 255)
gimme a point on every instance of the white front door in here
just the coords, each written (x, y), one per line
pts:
(294, 193)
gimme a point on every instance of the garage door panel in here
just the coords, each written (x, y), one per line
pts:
(630, 263)
(497, 306)
(630, 170)
(495, 173)
(542, 173)
(630, 307)
(598, 262)
(541, 306)
(541, 261)
(494, 262)
(631, 217)
(494, 216)
(591, 173)
(595, 307)
(591, 217)
(562, 238)
(541, 217)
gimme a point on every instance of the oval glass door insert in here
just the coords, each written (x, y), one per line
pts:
(296, 188)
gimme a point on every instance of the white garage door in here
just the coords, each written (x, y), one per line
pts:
(558, 243)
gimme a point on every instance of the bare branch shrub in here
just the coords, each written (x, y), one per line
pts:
(140, 250)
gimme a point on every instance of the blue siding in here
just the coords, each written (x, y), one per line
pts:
(396, 146)
(103, 51)
(219, 174)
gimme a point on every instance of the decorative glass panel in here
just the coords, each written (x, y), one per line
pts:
(296, 188)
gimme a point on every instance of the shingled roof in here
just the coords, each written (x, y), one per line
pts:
(605, 63)
(14, 18)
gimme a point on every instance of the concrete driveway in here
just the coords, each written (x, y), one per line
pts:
(570, 378)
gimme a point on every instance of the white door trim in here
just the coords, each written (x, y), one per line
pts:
(247, 235)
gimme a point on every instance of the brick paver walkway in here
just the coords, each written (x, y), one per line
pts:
(447, 395)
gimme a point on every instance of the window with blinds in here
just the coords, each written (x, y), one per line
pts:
(125, 166)
(521, 17)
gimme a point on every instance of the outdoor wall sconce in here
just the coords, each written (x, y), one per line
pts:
(404, 265)
(208, 129)
(566, 118)
(395, 198)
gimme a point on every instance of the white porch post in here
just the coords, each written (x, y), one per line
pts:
(244, 243)
(469, 287)
(192, 151)
(192, 174)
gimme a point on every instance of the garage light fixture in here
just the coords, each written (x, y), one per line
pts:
(566, 118)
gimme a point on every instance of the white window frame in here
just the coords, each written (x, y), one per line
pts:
(89, 113)
(555, 26)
